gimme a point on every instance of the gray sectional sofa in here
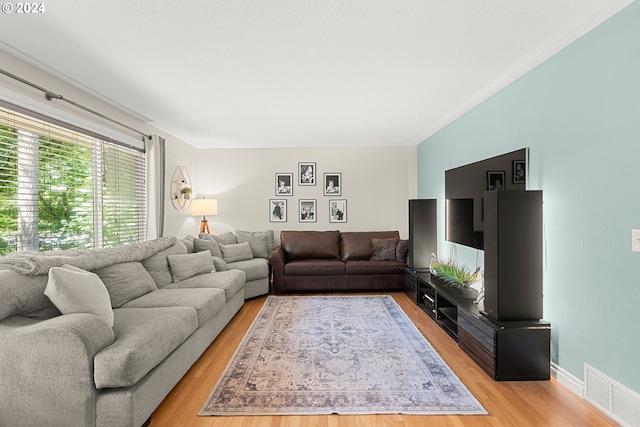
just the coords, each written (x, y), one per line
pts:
(107, 363)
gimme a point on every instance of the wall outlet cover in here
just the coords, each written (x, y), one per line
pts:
(635, 240)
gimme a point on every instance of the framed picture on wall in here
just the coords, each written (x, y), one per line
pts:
(495, 180)
(332, 184)
(307, 210)
(519, 172)
(284, 184)
(278, 210)
(307, 173)
(338, 210)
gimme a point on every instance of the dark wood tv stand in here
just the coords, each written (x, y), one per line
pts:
(506, 350)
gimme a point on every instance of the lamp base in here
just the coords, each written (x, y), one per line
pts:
(204, 226)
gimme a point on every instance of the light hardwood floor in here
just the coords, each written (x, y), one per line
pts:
(510, 404)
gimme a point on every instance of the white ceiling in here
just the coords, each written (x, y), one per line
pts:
(297, 73)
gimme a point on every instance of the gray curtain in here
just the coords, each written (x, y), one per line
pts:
(156, 165)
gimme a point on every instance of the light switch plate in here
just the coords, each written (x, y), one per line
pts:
(635, 240)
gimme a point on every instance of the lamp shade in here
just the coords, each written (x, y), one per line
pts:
(204, 207)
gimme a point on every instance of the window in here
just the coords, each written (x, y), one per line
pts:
(63, 188)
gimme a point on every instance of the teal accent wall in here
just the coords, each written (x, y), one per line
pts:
(579, 115)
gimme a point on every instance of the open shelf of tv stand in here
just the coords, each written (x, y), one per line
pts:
(506, 350)
(440, 303)
(451, 313)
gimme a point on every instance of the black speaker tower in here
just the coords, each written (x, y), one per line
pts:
(423, 232)
(513, 255)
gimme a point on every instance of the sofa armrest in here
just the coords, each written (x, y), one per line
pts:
(47, 369)
(277, 259)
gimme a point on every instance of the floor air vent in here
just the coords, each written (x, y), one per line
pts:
(613, 398)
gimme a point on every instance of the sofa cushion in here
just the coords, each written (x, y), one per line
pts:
(256, 268)
(188, 243)
(219, 264)
(231, 282)
(261, 242)
(144, 338)
(357, 244)
(258, 245)
(383, 249)
(74, 290)
(126, 281)
(236, 252)
(189, 265)
(227, 238)
(310, 244)
(207, 301)
(201, 245)
(315, 267)
(24, 296)
(158, 266)
(374, 268)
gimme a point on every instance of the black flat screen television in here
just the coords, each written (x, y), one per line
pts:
(460, 223)
(464, 193)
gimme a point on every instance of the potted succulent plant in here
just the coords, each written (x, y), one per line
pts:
(186, 192)
(457, 276)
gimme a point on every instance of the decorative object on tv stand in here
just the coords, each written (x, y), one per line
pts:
(204, 207)
(181, 189)
(455, 275)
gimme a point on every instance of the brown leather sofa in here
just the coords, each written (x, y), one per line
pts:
(333, 261)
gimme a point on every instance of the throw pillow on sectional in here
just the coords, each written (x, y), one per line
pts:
(74, 290)
(257, 240)
(157, 264)
(126, 281)
(189, 265)
(268, 235)
(188, 242)
(200, 245)
(236, 252)
(220, 264)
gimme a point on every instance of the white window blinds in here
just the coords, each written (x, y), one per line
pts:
(62, 188)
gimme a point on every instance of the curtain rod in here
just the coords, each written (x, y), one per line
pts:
(50, 96)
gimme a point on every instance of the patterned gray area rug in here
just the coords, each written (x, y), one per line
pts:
(307, 355)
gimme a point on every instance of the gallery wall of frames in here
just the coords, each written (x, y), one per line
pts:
(329, 185)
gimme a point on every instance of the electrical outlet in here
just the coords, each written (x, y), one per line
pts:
(635, 240)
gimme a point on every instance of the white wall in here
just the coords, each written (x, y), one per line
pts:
(376, 182)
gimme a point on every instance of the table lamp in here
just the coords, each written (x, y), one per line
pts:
(204, 207)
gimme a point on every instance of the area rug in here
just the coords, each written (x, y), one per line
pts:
(307, 355)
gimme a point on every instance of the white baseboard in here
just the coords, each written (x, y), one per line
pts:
(568, 380)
